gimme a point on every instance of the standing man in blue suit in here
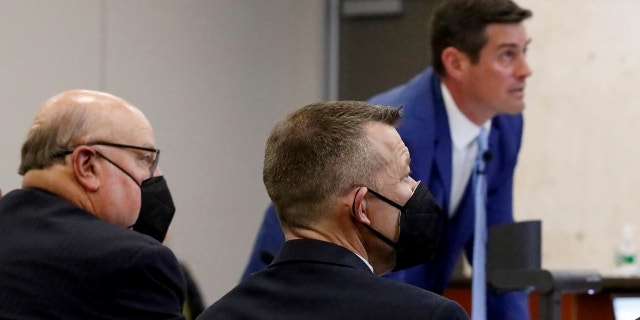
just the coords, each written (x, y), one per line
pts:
(477, 81)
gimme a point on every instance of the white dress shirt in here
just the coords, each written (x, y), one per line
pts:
(463, 146)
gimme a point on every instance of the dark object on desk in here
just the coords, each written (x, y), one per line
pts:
(514, 246)
(513, 263)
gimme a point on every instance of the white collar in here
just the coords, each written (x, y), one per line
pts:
(365, 261)
(462, 130)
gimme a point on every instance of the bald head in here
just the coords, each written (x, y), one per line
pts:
(73, 118)
(92, 149)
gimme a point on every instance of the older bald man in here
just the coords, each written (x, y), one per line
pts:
(89, 167)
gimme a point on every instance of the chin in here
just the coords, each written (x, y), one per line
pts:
(386, 266)
(131, 221)
(382, 271)
(514, 109)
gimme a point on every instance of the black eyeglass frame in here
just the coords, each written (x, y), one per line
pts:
(153, 166)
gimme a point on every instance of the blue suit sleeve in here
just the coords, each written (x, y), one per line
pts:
(267, 244)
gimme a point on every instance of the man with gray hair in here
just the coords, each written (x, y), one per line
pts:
(90, 172)
(338, 174)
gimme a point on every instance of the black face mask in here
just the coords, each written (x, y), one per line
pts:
(422, 225)
(156, 205)
(156, 208)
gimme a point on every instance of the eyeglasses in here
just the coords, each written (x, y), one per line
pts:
(153, 162)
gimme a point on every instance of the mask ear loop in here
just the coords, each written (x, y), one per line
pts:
(385, 199)
(119, 167)
(374, 231)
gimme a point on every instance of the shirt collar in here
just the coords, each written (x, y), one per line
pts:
(365, 261)
(462, 130)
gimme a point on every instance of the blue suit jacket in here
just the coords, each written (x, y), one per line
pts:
(425, 131)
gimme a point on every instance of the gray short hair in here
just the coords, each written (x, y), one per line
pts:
(318, 153)
(48, 141)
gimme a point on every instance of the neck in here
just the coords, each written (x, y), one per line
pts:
(471, 109)
(58, 180)
(343, 234)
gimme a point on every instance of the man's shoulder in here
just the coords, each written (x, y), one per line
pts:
(420, 88)
(509, 129)
(66, 254)
(69, 230)
(372, 288)
(373, 297)
(408, 291)
(418, 303)
(275, 292)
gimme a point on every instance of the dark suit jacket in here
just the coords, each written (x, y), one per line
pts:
(58, 261)
(311, 279)
(425, 131)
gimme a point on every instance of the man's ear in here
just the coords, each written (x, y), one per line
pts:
(85, 168)
(455, 62)
(360, 206)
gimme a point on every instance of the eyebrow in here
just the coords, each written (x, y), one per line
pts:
(513, 45)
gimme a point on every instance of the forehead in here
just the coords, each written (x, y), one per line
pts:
(127, 125)
(388, 144)
(506, 34)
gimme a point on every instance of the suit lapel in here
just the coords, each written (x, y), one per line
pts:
(442, 151)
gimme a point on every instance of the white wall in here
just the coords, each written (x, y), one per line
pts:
(213, 77)
(578, 166)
